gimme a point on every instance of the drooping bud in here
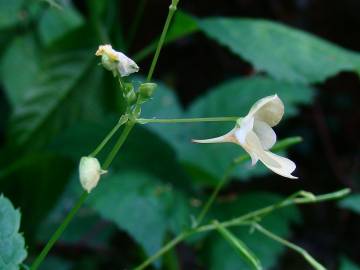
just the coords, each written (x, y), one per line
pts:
(89, 172)
(115, 61)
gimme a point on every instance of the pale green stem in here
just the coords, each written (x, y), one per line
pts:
(172, 10)
(187, 120)
(316, 265)
(247, 219)
(163, 250)
(268, 209)
(106, 139)
(118, 144)
(59, 231)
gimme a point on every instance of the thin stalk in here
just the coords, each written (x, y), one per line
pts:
(213, 196)
(59, 231)
(135, 25)
(119, 143)
(250, 217)
(172, 10)
(315, 264)
(187, 120)
(247, 219)
(106, 139)
(163, 250)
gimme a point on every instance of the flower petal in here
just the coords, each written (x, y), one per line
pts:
(246, 125)
(228, 137)
(268, 109)
(126, 65)
(276, 163)
(286, 165)
(265, 133)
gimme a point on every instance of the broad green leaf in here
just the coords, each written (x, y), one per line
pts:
(55, 23)
(351, 202)
(240, 246)
(233, 98)
(346, 264)
(12, 243)
(284, 52)
(138, 203)
(10, 12)
(66, 89)
(19, 66)
(182, 25)
(220, 254)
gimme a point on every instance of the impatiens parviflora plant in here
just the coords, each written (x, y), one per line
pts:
(253, 132)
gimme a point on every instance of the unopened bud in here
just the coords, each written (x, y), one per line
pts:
(89, 172)
(146, 90)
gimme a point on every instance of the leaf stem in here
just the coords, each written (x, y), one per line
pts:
(106, 139)
(163, 250)
(128, 127)
(315, 264)
(247, 219)
(187, 120)
(59, 231)
(172, 9)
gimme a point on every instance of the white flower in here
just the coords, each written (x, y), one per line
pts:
(116, 61)
(90, 172)
(255, 134)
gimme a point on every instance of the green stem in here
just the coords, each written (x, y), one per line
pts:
(163, 250)
(136, 23)
(247, 219)
(260, 213)
(187, 120)
(119, 143)
(213, 196)
(172, 10)
(106, 139)
(59, 231)
(316, 265)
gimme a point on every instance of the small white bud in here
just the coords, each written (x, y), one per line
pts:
(116, 61)
(89, 172)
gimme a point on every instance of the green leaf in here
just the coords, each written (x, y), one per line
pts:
(10, 12)
(66, 89)
(240, 246)
(12, 243)
(138, 203)
(351, 202)
(219, 255)
(284, 52)
(346, 264)
(55, 23)
(19, 66)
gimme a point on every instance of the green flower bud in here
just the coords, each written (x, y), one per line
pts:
(146, 91)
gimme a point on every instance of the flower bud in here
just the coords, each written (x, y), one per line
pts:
(115, 61)
(129, 93)
(89, 172)
(146, 91)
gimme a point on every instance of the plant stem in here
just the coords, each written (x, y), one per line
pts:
(59, 231)
(247, 219)
(163, 250)
(135, 25)
(316, 265)
(172, 10)
(106, 139)
(119, 143)
(187, 120)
